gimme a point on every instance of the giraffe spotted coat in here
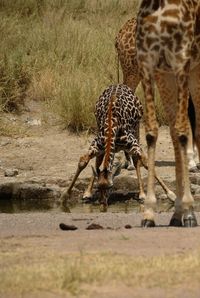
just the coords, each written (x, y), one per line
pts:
(118, 112)
(168, 53)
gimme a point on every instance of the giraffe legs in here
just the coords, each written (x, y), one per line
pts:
(190, 152)
(137, 163)
(170, 194)
(88, 192)
(83, 162)
(151, 138)
(177, 118)
(194, 86)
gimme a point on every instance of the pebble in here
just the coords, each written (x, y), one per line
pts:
(11, 172)
(65, 227)
(94, 226)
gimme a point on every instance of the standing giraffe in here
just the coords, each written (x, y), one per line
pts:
(118, 112)
(125, 46)
(168, 52)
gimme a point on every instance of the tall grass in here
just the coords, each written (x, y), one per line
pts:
(61, 52)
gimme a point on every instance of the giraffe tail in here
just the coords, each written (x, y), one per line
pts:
(117, 59)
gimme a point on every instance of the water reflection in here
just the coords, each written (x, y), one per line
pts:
(127, 206)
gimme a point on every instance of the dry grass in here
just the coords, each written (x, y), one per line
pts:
(61, 52)
(12, 128)
(72, 273)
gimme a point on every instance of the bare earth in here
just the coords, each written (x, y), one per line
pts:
(50, 155)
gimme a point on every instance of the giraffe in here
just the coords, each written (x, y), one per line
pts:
(168, 53)
(118, 112)
(126, 50)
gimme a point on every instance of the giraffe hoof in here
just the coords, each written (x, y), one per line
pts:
(175, 222)
(189, 219)
(147, 223)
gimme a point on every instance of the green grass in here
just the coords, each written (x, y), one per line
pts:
(60, 52)
(72, 273)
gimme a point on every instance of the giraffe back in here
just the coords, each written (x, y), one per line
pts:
(168, 34)
(118, 112)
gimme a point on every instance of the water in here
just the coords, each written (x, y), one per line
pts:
(41, 205)
(19, 206)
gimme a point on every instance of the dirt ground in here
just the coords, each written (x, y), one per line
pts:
(50, 155)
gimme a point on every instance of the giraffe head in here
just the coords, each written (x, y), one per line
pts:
(104, 184)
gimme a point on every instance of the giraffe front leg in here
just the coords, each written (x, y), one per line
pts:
(169, 93)
(151, 138)
(137, 164)
(88, 192)
(83, 162)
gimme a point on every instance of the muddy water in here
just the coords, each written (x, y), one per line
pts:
(18, 206)
(121, 204)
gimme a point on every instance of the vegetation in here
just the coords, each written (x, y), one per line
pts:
(72, 273)
(61, 52)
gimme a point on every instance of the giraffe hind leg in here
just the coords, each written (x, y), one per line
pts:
(170, 194)
(192, 165)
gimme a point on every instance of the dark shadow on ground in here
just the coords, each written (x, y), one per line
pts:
(165, 163)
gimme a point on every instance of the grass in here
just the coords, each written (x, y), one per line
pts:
(72, 273)
(60, 52)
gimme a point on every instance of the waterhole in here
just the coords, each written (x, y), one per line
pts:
(32, 198)
(117, 203)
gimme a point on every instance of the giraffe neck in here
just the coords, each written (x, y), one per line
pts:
(110, 131)
(171, 10)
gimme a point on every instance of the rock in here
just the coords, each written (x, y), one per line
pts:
(27, 191)
(65, 227)
(128, 226)
(162, 196)
(197, 191)
(126, 181)
(11, 172)
(195, 178)
(94, 226)
(195, 188)
(33, 122)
